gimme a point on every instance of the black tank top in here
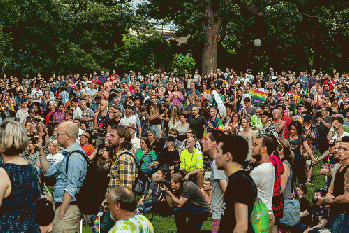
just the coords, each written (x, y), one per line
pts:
(338, 189)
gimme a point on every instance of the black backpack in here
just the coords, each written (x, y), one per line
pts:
(94, 187)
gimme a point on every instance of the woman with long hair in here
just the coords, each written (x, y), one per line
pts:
(182, 128)
(41, 131)
(176, 97)
(146, 160)
(286, 156)
(30, 129)
(310, 132)
(174, 119)
(297, 142)
(108, 84)
(104, 160)
(154, 119)
(59, 114)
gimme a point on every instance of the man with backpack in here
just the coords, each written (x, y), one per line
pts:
(264, 174)
(241, 191)
(70, 174)
(123, 169)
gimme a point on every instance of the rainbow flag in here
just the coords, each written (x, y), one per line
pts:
(96, 225)
(258, 96)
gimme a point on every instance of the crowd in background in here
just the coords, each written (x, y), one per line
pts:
(155, 135)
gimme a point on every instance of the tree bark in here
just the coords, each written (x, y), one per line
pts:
(211, 30)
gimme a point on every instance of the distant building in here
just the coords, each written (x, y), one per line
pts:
(167, 35)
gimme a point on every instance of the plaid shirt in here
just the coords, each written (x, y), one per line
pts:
(88, 113)
(123, 171)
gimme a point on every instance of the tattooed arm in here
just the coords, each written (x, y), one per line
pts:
(345, 197)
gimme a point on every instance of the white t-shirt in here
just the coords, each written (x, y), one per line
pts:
(136, 142)
(264, 178)
(36, 94)
(80, 133)
(21, 114)
(77, 113)
(335, 137)
(127, 120)
(52, 159)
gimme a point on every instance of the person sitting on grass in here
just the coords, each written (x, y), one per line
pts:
(207, 190)
(320, 213)
(192, 163)
(305, 214)
(157, 203)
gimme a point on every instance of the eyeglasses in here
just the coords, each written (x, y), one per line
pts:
(58, 134)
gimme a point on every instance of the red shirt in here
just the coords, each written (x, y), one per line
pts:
(288, 121)
(88, 148)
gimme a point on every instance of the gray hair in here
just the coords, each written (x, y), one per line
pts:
(125, 197)
(14, 139)
(53, 103)
(43, 126)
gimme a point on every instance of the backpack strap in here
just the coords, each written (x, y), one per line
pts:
(70, 153)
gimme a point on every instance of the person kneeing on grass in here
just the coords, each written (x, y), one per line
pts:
(189, 202)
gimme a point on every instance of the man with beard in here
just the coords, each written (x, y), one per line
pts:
(123, 170)
(189, 202)
(218, 178)
(264, 174)
(122, 205)
(338, 133)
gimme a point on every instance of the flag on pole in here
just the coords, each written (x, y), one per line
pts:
(258, 96)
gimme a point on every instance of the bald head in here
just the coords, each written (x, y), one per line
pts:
(70, 128)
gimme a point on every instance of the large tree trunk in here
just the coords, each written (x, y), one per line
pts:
(211, 30)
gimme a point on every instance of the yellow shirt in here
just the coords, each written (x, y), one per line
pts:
(191, 161)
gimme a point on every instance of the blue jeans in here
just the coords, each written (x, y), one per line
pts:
(146, 207)
(196, 215)
(340, 223)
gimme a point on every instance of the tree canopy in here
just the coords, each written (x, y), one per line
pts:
(301, 34)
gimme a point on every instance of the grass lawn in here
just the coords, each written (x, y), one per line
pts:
(167, 224)
(317, 182)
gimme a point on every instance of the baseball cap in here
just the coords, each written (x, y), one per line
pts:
(86, 134)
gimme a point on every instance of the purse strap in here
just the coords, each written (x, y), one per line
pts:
(294, 189)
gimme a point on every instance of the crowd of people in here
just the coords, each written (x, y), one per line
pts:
(116, 147)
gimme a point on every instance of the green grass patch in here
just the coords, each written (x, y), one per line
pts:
(317, 182)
